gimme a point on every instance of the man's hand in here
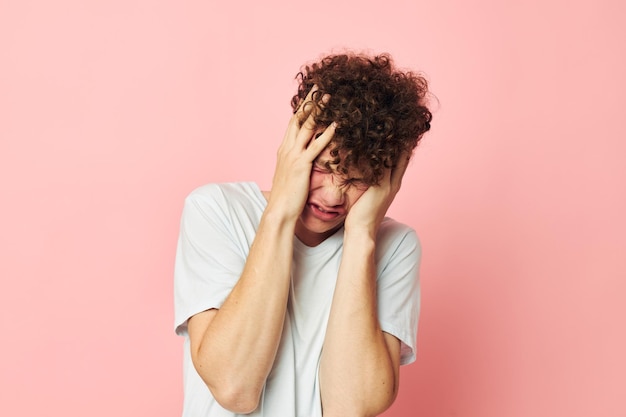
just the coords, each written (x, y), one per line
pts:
(233, 348)
(359, 368)
(369, 211)
(290, 186)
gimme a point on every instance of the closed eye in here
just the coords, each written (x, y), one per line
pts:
(317, 167)
(357, 183)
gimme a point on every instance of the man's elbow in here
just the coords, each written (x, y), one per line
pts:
(235, 399)
(371, 407)
(232, 391)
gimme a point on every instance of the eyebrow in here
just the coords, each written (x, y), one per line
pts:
(326, 165)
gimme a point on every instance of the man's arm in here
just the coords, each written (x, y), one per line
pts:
(359, 369)
(233, 348)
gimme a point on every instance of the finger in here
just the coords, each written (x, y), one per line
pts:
(308, 97)
(398, 171)
(303, 109)
(306, 132)
(311, 110)
(317, 145)
(309, 123)
(292, 128)
(311, 105)
(302, 113)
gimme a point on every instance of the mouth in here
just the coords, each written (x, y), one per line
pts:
(323, 213)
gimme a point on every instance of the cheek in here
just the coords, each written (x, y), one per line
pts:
(317, 179)
(354, 194)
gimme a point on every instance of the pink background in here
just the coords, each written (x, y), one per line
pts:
(112, 111)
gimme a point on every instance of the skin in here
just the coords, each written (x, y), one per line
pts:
(330, 199)
(359, 368)
(360, 363)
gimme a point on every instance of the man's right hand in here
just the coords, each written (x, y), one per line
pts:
(290, 186)
(234, 348)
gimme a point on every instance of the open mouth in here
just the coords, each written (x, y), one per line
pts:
(322, 213)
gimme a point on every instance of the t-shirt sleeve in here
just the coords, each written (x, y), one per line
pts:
(209, 261)
(399, 288)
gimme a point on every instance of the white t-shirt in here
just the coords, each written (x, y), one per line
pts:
(218, 226)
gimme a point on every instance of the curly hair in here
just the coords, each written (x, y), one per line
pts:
(380, 111)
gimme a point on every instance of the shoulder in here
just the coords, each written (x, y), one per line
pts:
(394, 238)
(225, 191)
(223, 196)
(228, 207)
(394, 232)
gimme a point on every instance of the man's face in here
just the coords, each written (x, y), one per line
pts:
(331, 195)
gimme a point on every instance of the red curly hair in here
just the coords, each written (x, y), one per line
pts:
(380, 111)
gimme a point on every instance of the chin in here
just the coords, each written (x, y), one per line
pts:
(317, 226)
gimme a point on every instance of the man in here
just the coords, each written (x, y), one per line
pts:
(303, 300)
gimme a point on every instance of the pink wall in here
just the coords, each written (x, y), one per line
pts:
(112, 111)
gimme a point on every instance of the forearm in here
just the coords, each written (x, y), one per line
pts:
(234, 348)
(236, 352)
(357, 373)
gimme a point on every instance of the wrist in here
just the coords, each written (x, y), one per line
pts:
(280, 218)
(359, 234)
(362, 227)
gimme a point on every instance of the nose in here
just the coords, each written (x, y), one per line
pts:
(332, 194)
